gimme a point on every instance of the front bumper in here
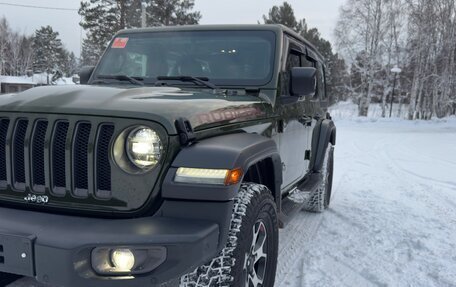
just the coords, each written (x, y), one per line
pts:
(57, 248)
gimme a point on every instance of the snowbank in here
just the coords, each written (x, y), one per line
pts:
(349, 110)
(36, 79)
(42, 79)
(17, 80)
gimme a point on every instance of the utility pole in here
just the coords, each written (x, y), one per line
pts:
(396, 70)
(122, 14)
(143, 15)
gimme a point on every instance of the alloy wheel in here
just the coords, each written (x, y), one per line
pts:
(256, 259)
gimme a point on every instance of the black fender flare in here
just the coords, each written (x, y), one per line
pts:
(239, 150)
(323, 134)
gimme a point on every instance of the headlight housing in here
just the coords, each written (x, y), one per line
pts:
(138, 149)
(144, 147)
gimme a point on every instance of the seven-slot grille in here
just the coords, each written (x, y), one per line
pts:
(58, 157)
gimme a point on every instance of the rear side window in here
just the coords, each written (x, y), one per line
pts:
(306, 62)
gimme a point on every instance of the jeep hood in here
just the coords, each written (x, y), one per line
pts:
(160, 104)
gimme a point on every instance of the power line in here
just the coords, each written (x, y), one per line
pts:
(38, 7)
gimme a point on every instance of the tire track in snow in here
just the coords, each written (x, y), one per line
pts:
(441, 204)
(301, 230)
(425, 178)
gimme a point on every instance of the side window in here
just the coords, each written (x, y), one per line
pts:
(293, 60)
(321, 82)
(306, 62)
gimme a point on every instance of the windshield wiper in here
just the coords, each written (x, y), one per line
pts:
(199, 80)
(133, 80)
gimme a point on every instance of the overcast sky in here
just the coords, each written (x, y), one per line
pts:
(321, 14)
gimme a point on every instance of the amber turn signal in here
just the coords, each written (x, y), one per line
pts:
(233, 176)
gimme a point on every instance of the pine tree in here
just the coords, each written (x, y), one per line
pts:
(48, 50)
(69, 63)
(103, 18)
(171, 12)
(72, 65)
(283, 15)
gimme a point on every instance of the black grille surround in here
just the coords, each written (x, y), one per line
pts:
(67, 160)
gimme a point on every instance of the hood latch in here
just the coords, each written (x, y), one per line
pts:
(185, 131)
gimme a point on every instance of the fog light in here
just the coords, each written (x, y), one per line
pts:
(123, 259)
(127, 260)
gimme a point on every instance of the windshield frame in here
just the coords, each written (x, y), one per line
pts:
(268, 35)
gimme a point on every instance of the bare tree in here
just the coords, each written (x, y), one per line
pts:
(19, 54)
(393, 43)
(4, 41)
(417, 35)
(15, 51)
(432, 48)
(360, 31)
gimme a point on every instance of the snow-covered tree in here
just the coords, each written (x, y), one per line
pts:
(48, 50)
(432, 58)
(4, 42)
(41, 52)
(15, 51)
(361, 28)
(69, 63)
(419, 36)
(20, 54)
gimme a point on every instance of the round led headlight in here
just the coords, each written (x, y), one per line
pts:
(143, 147)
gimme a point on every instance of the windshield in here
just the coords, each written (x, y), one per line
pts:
(226, 58)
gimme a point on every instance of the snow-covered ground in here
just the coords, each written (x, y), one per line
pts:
(392, 220)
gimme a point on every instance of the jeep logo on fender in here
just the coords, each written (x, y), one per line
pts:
(229, 114)
(40, 199)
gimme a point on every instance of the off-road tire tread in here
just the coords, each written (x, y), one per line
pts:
(316, 201)
(218, 271)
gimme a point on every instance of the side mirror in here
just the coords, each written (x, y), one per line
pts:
(303, 82)
(85, 73)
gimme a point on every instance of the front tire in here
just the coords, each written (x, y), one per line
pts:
(250, 255)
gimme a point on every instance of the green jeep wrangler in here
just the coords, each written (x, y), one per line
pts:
(180, 156)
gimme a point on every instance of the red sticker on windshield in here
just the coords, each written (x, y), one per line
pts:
(120, 43)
